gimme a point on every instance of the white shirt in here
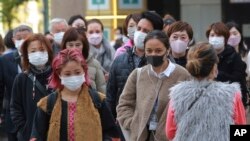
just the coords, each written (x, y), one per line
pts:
(167, 72)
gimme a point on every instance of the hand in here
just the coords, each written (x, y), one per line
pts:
(33, 139)
(106, 75)
(116, 139)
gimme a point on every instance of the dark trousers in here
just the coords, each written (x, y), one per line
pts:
(12, 137)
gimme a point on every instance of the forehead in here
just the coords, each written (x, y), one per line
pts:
(94, 26)
(78, 21)
(180, 33)
(131, 21)
(22, 34)
(233, 29)
(75, 41)
(35, 44)
(154, 44)
(71, 66)
(145, 24)
(59, 26)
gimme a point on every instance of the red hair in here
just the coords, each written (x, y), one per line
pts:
(62, 58)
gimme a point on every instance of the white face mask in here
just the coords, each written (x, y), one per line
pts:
(217, 42)
(18, 44)
(178, 46)
(95, 38)
(58, 37)
(73, 82)
(139, 39)
(38, 58)
(131, 32)
(125, 39)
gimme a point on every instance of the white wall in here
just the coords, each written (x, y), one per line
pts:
(200, 14)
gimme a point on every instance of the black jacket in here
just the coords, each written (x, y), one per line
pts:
(232, 69)
(182, 61)
(23, 101)
(8, 71)
(122, 66)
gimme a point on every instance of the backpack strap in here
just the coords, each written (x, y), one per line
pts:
(41, 88)
(95, 98)
(51, 102)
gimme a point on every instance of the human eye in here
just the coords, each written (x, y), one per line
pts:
(148, 51)
(158, 51)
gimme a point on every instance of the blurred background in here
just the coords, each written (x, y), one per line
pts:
(199, 13)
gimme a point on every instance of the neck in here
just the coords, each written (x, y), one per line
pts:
(139, 52)
(40, 67)
(236, 49)
(97, 46)
(178, 55)
(220, 50)
(70, 96)
(161, 68)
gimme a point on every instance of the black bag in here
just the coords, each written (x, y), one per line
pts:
(109, 127)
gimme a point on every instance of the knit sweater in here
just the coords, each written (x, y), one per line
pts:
(138, 98)
(204, 111)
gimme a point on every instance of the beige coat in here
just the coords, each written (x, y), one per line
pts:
(97, 80)
(138, 98)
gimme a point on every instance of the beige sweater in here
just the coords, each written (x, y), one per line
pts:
(137, 101)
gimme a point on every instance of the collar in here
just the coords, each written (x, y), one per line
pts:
(167, 72)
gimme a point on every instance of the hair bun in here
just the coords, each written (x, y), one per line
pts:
(194, 67)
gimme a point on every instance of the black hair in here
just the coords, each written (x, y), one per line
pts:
(8, 42)
(243, 49)
(154, 18)
(160, 35)
(75, 17)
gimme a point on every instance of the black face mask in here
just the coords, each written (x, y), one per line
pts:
(155, 60)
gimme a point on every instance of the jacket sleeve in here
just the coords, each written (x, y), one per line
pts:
(100, 79)
(2, 87)
(16, 104)
(170, 123)
(40, 125)
(127, 102)
(239, 110)
(112, 89)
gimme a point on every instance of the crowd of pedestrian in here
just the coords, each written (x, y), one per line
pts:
(154, 83)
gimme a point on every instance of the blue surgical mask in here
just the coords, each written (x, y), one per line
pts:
(18, 44)
(58, 37)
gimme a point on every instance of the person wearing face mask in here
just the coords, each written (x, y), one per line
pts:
(74, 115)
(30, 85)
(99, 46)
(231, 68)
(57, 28)
(118, 38)
(180, 34)
(10, 66)
(142, 106)
(76, 38)
(124, 64)
(236, 40)
(129, 28)
(201, 108)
